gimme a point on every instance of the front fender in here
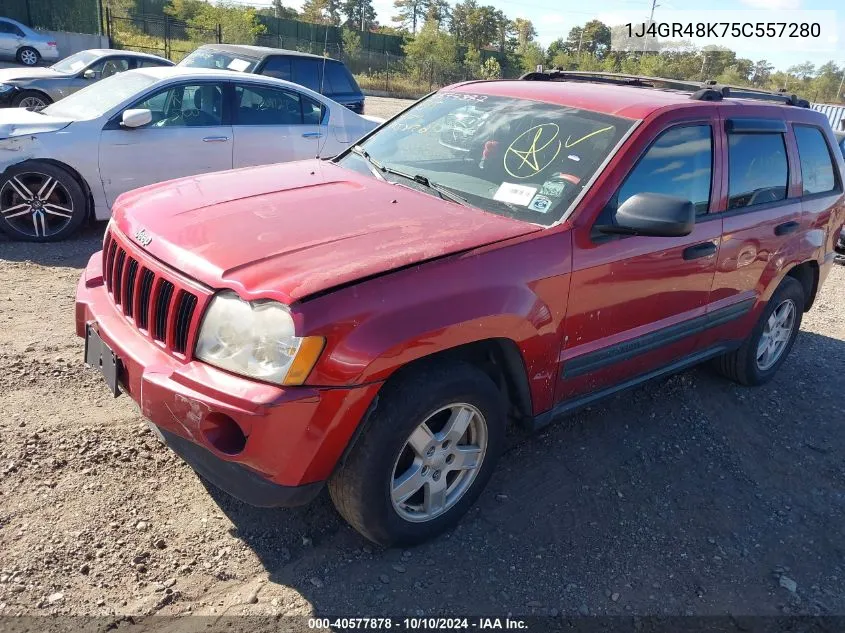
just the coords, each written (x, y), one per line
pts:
(517, 292)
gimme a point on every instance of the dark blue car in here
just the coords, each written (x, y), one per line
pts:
(322, 74)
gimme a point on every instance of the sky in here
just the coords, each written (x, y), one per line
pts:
(554, 19)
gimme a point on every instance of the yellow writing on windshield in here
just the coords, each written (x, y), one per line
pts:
(567, 144)
(533, 150)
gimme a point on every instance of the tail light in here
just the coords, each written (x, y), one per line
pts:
(53, 44)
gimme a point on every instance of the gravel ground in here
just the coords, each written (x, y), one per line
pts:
(688, 496)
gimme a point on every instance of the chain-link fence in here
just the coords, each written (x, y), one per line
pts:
(75, 16)
(158, 35)
(375, 71)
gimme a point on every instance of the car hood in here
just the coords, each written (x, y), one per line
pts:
(22, 122)
(291, 230)
(21, 74)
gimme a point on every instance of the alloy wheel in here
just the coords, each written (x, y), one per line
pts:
(776, 335)
(35, 204)
(29, 57)
(439, 462)
(32, 103)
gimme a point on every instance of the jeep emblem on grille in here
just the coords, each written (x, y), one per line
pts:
(143, 237)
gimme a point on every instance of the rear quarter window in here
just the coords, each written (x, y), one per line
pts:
(338, 79)
(817, 173)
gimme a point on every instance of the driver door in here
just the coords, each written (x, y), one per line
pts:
(189, 135)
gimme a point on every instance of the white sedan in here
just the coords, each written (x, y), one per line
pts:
(71, 160)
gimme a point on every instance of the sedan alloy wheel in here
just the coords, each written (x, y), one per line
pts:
(36, 205)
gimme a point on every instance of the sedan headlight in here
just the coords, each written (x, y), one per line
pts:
(6, 88)
(256, 339)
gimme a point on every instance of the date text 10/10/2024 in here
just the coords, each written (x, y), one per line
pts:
(418, 624)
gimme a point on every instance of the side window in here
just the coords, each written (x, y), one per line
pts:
(312, 112)
(150, 63)
(8, 27)
(191, 105)
(278, 67)
(337, 79)
(758, 172)
(306, 72)
(816, 163)
(110, 66)
(679, 163)
(259, 105)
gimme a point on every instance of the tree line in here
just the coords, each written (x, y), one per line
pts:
(449, 42)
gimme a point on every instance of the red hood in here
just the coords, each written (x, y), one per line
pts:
(295, 229)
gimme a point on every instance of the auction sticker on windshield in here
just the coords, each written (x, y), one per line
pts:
(239, 65)
(515, 194)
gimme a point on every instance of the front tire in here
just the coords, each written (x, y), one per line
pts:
(427, 451)
(31, 100)
(765, 350)
(28, 56)
(40, 202)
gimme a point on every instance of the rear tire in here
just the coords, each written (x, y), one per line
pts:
(31, 100)
(395, 454)
(752, 364)
(41, 202)
(28, 56)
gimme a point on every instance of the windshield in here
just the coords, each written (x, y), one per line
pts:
(95, 100)
(210, 58)
(75, 62)
(515, 157)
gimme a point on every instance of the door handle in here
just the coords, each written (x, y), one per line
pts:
(705, 249)
(313, 135)
(786, 228)
(215, 139)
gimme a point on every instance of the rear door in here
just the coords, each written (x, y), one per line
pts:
(761, 214)
(637, 303)
(274, 125)
(10, 38)
(277, 66)
(190, 134)
(308, 72)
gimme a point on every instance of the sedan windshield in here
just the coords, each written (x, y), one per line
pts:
(95, 100)
(75, 62)
(515, 157)
(218, 60)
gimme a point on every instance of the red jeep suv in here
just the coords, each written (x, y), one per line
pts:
(502, 251)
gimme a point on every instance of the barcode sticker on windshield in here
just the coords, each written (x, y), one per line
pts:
(515, 194)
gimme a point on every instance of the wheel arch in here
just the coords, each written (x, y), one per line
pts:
(499, 358)
(807, 274)
(38, 91)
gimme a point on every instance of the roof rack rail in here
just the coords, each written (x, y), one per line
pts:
(556, 74)
(709, 90)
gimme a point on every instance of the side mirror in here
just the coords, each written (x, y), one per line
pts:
(653, 214)
(89, 74)
(136, 118)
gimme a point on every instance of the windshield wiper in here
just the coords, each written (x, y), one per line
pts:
(419, 179)
(376, 167)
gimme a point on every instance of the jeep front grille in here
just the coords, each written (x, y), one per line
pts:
(161, 305)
